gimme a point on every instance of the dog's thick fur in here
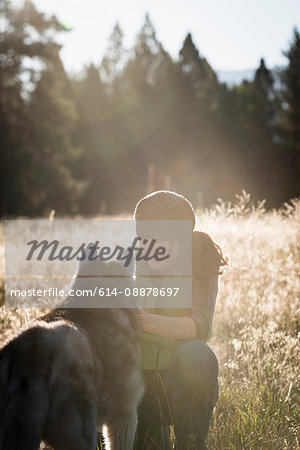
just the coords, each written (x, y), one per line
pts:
(67, 375)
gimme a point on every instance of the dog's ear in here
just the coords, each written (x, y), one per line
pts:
(117, 267)
(90, 256)
(91, 250)
(92, 265)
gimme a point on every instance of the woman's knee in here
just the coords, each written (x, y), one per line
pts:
(196, 365)
(196, 353)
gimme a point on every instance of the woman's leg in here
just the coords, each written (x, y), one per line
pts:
(151, 417)
(192, 388)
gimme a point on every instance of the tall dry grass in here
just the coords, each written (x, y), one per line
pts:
(256, 325)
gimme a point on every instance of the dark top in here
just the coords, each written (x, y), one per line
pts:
(204, 301)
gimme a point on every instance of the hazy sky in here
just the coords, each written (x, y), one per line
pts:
(231, 34)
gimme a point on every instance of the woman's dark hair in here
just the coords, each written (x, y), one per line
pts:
(207, 255)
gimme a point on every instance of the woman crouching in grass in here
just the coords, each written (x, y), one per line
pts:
(181, 370)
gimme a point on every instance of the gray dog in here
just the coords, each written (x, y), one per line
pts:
(68, 374)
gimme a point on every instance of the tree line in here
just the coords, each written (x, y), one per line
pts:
(140, 120)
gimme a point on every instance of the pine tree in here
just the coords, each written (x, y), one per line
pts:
(114, 60)
(93, 135)
(291, 92)
(196, 71)
(290, 117)
(91, 96)
(150, 62)
(25, 182)
(53, 113)
(264, 95)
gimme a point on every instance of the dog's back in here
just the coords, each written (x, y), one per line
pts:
(47, 375)
(72, 371)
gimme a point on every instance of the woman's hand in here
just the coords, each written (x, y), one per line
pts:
(149, 321)
(170, 327)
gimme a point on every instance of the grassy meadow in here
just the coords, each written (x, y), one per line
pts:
(256, 325)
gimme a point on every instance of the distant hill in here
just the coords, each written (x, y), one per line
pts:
(235, 76)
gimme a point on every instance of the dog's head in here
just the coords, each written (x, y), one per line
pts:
(103, 283)
(93, 266)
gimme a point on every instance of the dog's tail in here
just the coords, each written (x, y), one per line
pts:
(23, 404)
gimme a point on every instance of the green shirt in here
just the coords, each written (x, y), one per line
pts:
(157, 350)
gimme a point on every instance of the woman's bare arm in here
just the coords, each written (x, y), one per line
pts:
(170, 327)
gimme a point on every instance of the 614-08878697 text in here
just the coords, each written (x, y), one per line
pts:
(101, 291)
